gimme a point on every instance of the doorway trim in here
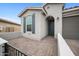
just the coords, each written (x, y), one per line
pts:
(50, 25)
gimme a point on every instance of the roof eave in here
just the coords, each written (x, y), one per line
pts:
(19, 15)
(73, 9)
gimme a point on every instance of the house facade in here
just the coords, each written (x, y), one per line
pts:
(37, 23)
(51, 20)
(40, 22)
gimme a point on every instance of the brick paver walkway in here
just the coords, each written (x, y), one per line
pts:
(45, 47)
(74, 45)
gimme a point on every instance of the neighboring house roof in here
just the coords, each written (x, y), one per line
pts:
(4, 20)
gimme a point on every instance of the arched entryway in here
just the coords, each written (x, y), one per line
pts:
(50, 23)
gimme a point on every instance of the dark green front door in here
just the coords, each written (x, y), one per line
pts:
(51, 28)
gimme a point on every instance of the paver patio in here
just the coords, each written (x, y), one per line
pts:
(45, 47)
(74, 45)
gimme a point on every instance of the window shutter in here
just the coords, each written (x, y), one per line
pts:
(24, 24)
(33, 23)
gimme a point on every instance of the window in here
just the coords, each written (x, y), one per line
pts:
(29, 23)
(1, 27)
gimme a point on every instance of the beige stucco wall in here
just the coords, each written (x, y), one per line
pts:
(17, 28)
(44, 26)
(38, 25)
(41, 29)
(55, 10)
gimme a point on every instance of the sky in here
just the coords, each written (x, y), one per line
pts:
(10, 11)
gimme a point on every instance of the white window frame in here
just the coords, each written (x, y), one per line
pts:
(26, 25)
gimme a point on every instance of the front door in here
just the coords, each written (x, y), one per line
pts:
(51, 28)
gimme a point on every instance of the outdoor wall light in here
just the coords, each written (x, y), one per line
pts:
(57, 18)
(48, 7)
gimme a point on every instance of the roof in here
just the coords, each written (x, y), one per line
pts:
(71, 9)
(65, 10)
(4, 20)
(42, 8)
(31, 8)
(74, 11)
(46, 4)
